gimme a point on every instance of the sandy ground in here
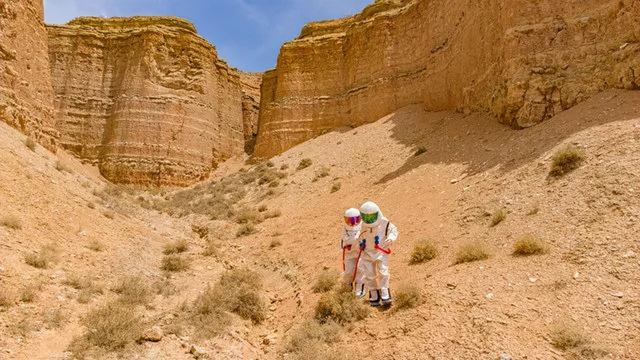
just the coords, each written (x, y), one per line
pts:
(472, 166)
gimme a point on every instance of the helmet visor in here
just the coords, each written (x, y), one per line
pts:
(352, 220)
(369, 218)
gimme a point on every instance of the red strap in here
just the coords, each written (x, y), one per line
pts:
(379, 248)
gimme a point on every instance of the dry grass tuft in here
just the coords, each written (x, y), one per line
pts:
(565, 161)
(246, 229)
(86, 286)
(200, 230)
(237, 292)
(11, 221)
(176, 247)
(423, 251)
(473, 251)
(210, 248)
(174, 263)
(30, 143)
(134, 290)
(110, 327)
(7, 297)
(498, 216)
(43, 259)
(566, 336)
(312, 339)
(529, 245)
(340, 306)
(407, 297)
(336, 187)
(325, 281)
(304, 163)
(323, 172)
(247, 215)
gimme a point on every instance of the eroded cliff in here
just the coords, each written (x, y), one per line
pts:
(144, 98)
(250, 108)
(26, 97)
(523, 61)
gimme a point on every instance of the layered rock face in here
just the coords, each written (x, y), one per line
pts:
(522, 60)
(250, 108)
(144, 98)
(26, 96)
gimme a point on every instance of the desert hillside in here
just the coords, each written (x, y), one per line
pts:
(462, 184)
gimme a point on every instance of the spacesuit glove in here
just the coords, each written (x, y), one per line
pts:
(363, 245)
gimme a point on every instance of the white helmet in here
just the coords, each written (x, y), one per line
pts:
(370, 213)
(352, 217)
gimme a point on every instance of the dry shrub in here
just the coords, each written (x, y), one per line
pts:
(30, 293)
(336, 187)
(202, 231)
(30, 143)
(565, 161)
(237, 291)
(325, 281)
(424, 251)
(473, 251)
(247, 215)
(312, 339)
(406, 297)
(86, 286)
(7, 297)
(11, 221)
(96, 246)
(174, 263)
(340, 306)
(275, 243)
(304, 163)
(321, 173)
(498, 216)
(165, 287)
(529, 245)
(246, 229)
(47, 256)
(110, 327)
(567, 336)
(134, 290)
(176, 247)
(54, 319)
(22, 327)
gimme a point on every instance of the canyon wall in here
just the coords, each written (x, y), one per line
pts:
(26, 96)
(250, 108)
(522, 60)
(144, 98)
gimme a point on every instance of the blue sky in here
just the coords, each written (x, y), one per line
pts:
(247, 33)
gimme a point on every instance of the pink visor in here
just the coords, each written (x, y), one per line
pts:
(352, 220)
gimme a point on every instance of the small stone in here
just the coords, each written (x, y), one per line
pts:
(197, 352)
(489, 296)
(533, 280)
(505, 356)
(629, 254)
(272, 308)
(618, 294)
(153, 334)
(576, 275)
(452, 286)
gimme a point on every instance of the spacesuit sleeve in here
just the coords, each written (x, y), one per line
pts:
(392, 234)
(349, 237)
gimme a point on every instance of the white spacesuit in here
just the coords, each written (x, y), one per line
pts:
(376, 236)
(350, 252)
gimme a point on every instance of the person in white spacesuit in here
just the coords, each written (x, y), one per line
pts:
(350, 252)
(376, 237)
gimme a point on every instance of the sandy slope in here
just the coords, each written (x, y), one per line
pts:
(472, 166)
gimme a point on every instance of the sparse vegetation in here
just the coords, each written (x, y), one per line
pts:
(30, 293)
(134, 290)
(420, 150)
(335, 187)
(472, 251)
(567, 336)
(176, 247)
(110, 327)
(245, 230)
(248, 215)
(321, 173)
(423, 251)
(96, 246)
(30, 143)
(311, 340)
(47, 256)
(325, 281)
(200, 230)
(565, 161)
(407, 297)
(529, 245)
(86, 286)
(210, 249)
(11, 221)
(174, 263)
(54, 319)
(339, 305)
(304, 163)
(7, 297)
(498, 216)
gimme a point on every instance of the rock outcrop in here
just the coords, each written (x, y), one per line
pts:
(250, 108)
(26, 96)
(144, 98)
(523, 61)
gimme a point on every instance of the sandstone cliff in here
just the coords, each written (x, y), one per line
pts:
(250, 108)
(144, 98)
(26, 97)
(521, 60)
